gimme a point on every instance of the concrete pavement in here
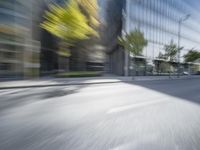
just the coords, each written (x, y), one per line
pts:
(153, 115)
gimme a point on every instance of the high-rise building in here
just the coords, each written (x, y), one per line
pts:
(159, 21)
(26, 50)
(112, 25)
(19, 47)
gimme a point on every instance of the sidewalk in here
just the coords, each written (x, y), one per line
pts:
(82, 81)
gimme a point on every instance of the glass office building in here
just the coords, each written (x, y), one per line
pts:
(158, 20)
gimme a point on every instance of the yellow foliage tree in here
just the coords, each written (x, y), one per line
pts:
(90, 7)
(67, 22)
(76, 20)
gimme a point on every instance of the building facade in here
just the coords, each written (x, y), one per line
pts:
(112, 28)
(158, 20)
(27, 50)
(19, 50)
(23, 43)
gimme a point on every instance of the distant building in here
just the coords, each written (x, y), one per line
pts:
(196, 67)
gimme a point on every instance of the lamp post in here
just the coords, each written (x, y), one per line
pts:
(180, 21)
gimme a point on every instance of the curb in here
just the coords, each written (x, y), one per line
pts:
(93, 83)
(54, 85)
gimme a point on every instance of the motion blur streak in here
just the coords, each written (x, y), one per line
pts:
(76, 118)
(44, 37)
(51, 37)
(99, 75)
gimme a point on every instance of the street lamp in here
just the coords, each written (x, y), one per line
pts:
(180, 21)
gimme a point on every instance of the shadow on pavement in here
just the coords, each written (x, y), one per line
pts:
(13, 98)
(185, 89)
(58, 93)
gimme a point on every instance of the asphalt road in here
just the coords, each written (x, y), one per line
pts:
(149, 115)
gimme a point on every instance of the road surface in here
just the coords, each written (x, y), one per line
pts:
(149, 115)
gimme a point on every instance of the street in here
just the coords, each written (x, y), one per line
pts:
(140, 115)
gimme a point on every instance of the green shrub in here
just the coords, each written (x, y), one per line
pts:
(76, 74)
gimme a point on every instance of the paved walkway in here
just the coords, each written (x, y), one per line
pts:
(80, 81)
(141, 116)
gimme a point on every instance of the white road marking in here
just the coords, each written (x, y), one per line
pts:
(127, 107)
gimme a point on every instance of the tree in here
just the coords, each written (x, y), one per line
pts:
(162, 56)
(90, 10)
(171, 51)
(192, 55)
(133, 42)
(71, 22)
